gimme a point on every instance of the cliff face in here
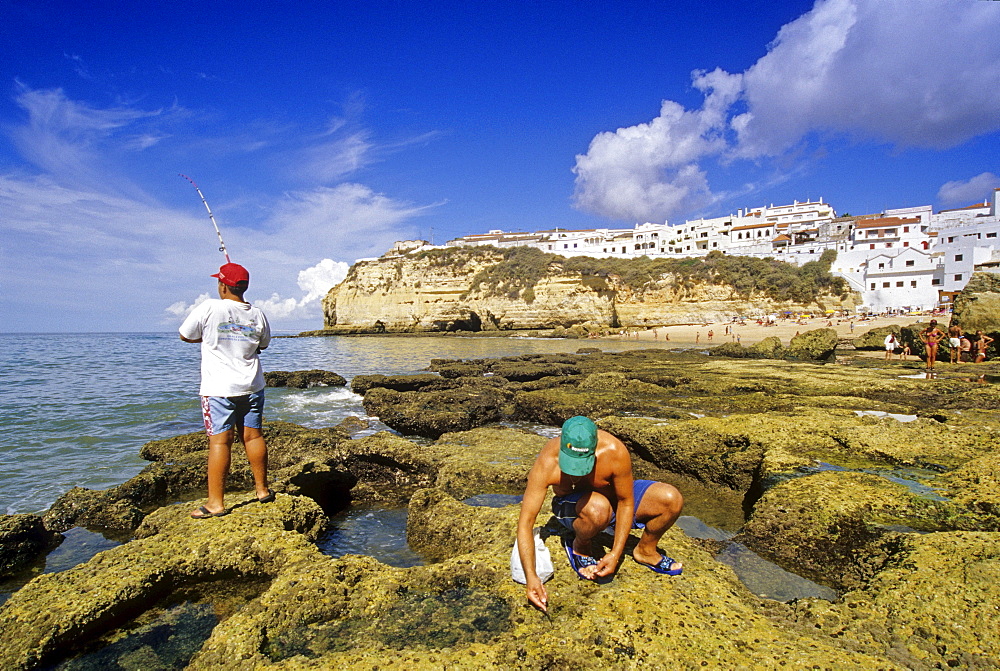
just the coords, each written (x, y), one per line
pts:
(421, 294)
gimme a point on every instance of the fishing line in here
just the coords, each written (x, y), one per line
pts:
(222, 245)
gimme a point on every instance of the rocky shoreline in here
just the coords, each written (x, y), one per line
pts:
(902, 518)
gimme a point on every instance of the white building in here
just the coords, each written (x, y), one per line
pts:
(905, 258)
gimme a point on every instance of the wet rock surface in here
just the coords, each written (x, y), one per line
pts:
(880, 486)
(22, 539)
(303, 379)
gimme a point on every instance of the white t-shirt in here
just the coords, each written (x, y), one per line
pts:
(230, 334)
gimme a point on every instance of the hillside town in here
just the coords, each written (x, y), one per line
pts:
(899, 260)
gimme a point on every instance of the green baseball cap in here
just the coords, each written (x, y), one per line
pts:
(577, 444)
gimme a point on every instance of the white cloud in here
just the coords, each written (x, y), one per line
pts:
(67, 139)
(973, 190)
(111, 257)
(650, 171)
(182, 310)
(921, 74)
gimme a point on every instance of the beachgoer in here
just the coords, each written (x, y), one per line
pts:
(590, 472)
(955, 342)
(965, 345)
(905, 352)
(931, 336)
(710, 334)
(982, 343)
(697, 337)
(232, 333)
(890, 346)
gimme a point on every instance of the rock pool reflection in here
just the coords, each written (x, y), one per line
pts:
(370, 530)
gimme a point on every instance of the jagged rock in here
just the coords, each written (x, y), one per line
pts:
(302, 379)
(932, 607)
(975, 485)
(832, 526)
(768, 348)
(874, 339)
(977, 306)
(360, 384)
(434, 413)
(23, 538)
(816, 345)
(730, 349)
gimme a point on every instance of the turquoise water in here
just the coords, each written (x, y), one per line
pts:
(76, 408)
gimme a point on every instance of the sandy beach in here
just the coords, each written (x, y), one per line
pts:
(688, 335)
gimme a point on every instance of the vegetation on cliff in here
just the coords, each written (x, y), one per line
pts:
(518, 269)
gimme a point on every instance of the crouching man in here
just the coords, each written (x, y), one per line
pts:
(590, 472)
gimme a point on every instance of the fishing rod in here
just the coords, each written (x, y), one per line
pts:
(222, 245)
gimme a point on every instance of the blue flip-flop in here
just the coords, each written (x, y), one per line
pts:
(662, 566)
(578, 561)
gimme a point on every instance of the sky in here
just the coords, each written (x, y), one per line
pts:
(322, 132)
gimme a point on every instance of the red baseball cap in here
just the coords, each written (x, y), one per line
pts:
(232, 274)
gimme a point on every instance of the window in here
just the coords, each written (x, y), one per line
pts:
(888, 244)
(899, 284)
(958, 278)
(881, 266)
(873, 285)
(909, 264)
(951, 239)
(913, 283)
(574, 245)
(991, 235)
(906, 229)
(872, 246)
(885, 285)
(936, 282)
(958, 257)
(906, 244)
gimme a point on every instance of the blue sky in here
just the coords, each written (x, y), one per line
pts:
(322, 132)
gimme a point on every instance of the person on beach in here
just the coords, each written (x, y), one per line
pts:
(965, 345)
(590, 472)
(931, 337)
(232, 334)
(982, 343)
(890, 346)
(955, 341)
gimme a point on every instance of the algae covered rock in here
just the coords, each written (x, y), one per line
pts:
(932, 607)
(833, 526)
(874, 339)
(23, 538)
(768, 348)
(432, 414)
(360, 384)
(816, 345)
(976, 486)
(303, 379)
(977, 306)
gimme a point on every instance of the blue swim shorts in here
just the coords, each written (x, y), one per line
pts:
(564, 507)
(222, 413)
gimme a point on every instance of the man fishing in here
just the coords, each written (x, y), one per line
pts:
(590, 472)
(232, 333)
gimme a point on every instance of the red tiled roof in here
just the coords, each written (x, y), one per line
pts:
(743, 228)
(886, 222)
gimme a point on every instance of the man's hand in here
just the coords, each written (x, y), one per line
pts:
(537, 594)
(607, 566)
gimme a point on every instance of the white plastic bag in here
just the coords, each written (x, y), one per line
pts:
(543, 560)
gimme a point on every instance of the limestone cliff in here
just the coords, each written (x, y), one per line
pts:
(480, 290)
